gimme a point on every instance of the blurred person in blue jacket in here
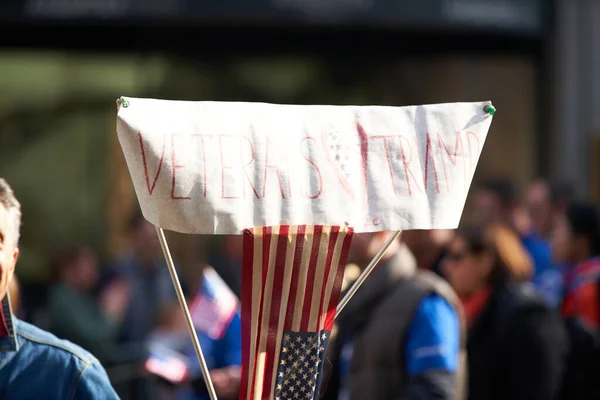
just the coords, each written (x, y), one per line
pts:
(496, 202)
(33, 363)
(400, 337)
(215, 314)
(546, 201)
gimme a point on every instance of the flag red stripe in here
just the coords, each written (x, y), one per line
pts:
(248, 259)
(266, 250)
(330, 250)
(337, 286)
(291, 305)
(310, 278)
(279, 266)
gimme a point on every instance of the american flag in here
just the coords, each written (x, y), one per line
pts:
(167, 364)
(214, 306)
(292, 277)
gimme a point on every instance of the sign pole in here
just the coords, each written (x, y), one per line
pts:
(365, 274)
(186, 313)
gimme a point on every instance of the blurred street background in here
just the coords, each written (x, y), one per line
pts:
(63, 63)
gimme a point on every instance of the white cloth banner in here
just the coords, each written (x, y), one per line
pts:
(220, 167)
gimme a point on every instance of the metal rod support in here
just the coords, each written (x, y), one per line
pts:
(365, 274)
(186, 313)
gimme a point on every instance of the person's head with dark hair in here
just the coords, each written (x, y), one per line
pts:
(135, 222)
(143, 239)
(76, 267)
(576, 236)
(545, 200)
(481, 256)
(562, 194)
(427, 245)
(495, 201)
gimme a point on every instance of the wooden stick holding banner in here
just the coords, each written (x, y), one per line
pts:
(365, 274)
(186, 313)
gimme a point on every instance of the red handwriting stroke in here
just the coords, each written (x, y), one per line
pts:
(313, 165)
(436, 169)
(364, 155)
(271, 166)
(174, 166)
(145, 162)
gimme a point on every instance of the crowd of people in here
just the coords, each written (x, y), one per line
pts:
(506, 307)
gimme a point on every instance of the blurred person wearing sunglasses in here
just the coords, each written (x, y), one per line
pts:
(33, 363)
(516, 344)
(576, 243)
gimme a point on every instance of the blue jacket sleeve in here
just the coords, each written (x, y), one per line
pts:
(93, 383)
(432, 350)
(230, 345)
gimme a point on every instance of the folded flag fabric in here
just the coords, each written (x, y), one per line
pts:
(292, 277)
(214, 306)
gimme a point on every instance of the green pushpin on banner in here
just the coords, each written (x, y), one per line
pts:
(123, 102)
(490, 109)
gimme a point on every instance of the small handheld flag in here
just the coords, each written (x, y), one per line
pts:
(214, 306)
(167, 364)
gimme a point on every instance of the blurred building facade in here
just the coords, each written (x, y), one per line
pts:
(63, 63)
(576, 79)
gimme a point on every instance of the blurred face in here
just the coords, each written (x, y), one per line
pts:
(426, 244)
(487, 207)
(418, 241)
(8, 252)
(562, 240)
(146, 242)
(539, 208)
(466, 272)
(360, 249)
(366, 245)
(86, 270)
(233, 246)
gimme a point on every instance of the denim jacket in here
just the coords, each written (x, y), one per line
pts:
(35, 364)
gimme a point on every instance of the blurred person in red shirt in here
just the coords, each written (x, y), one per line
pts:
(516, 344)
(576, 243)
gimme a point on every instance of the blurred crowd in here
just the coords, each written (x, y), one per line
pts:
(523, 277)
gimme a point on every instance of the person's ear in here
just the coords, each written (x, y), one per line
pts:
(13, 263)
